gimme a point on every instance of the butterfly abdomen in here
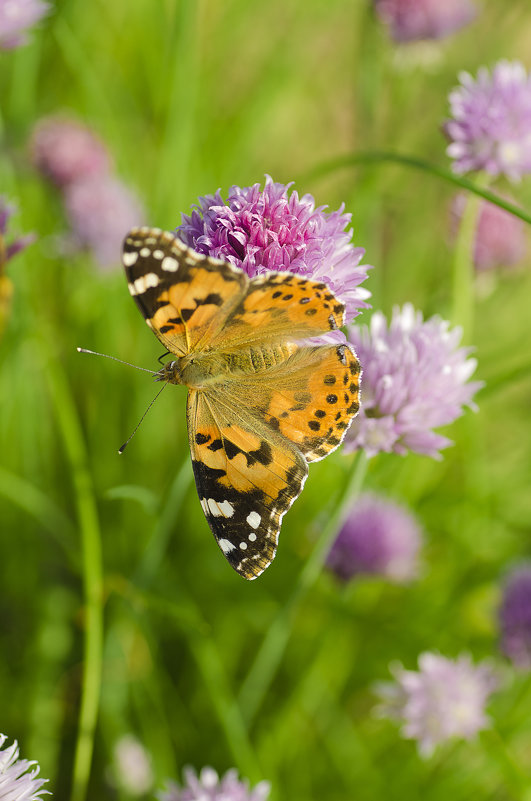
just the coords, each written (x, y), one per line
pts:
(205, 369)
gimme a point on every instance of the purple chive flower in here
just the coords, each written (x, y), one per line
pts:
(378, 537)
(445, 698)
(515, 617)
(490, 127)
(500, 236)
(207, 786)
(17, 781)
(100, 209)
(269, 229)
(411, 20)
(415, 378)
(65, 150)
(16, 16)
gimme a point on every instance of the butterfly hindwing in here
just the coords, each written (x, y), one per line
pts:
(247, 477)
(310, 399)
(184, 296)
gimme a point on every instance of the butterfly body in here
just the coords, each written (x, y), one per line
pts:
(264, 399)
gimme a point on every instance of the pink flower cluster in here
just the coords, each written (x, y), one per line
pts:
(99, 207)
(413, 20)
(16, 17)
(272, 229)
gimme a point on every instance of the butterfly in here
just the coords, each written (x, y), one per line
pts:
(264, 400)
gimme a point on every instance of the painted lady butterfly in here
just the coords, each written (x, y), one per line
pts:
(263, 402)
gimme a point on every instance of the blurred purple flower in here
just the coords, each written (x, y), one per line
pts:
(515, 617)
(65, 150)
(379, 537)
(445, 698)
(16, 16)
(410, 20)
(490, 127)
(500, 236)
(17, 781)
(100, 208)
(8, 251)
(269, 229)
(207, 786)
(415, 378)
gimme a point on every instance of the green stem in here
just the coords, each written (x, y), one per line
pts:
(366, 158)
(181, 90)
(269, 656)
(71, 433)
(463, 267)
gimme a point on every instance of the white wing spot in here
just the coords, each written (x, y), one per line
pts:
(223, 509)
(145, 282)
(145, 252)
(204, 505)
(251, 537)
(130, 258)
(254, 519)
(226, 509)
(226, 546)
(170, 264)
(158, 254)
(213, 507)
(243, 546)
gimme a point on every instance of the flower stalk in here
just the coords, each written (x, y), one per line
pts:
(269, 656)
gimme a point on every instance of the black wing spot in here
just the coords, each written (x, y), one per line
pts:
(331, 398)
(231, 449)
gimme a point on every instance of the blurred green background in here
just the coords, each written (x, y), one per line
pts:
(192, 96)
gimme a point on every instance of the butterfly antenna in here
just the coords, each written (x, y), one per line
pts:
(106, 355)
(124, 446)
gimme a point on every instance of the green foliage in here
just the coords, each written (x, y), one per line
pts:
(192, 96)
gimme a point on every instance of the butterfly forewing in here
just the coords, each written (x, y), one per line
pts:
(185, 297)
